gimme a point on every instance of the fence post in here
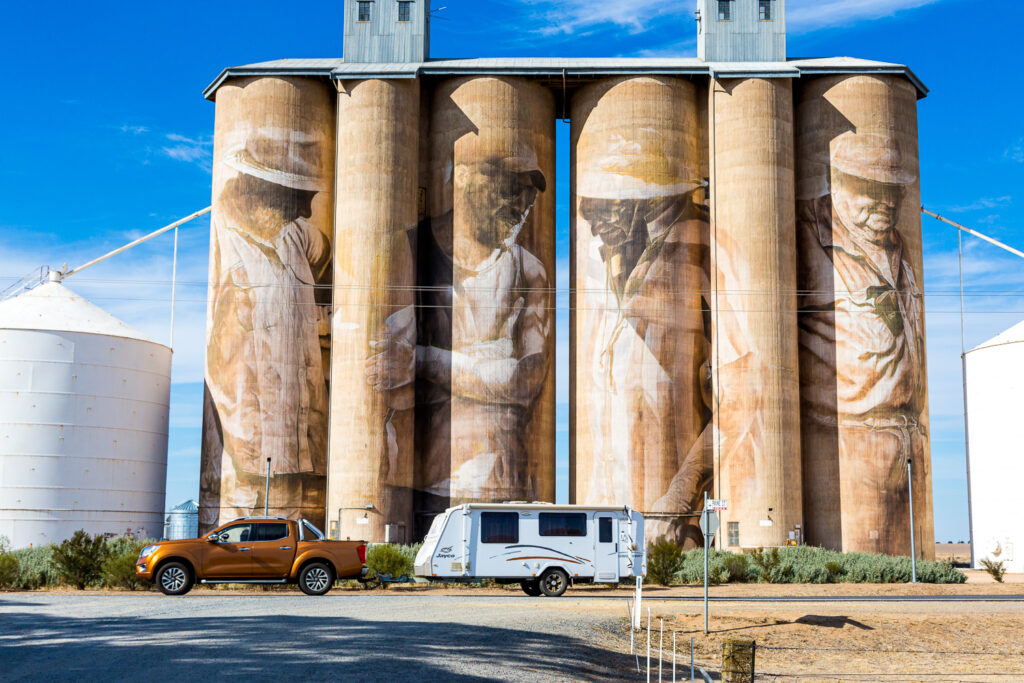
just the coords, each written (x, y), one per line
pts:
(738, 660)
(648, 645)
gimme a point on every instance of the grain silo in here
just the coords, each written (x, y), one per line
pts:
(639, 256)
(995, 381)
(753, 311)
(83, 421)
(268, 329)
(863, 376)
(182, 521)
(373, 345)
(485, 413)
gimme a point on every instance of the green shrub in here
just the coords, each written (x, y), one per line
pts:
(35, 567)
(5, 544)
(79, 559)
(389, 559)
(664, 560)
(8, 570)
(736, 567)
(118, 571)
(834, 569)
(995, 568)
(771, 568)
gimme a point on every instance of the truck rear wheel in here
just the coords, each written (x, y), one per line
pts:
(316, 578)
(553, 582)
(174, 578)
(531, 588)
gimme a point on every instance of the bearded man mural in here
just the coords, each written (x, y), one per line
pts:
(862, 346)
(639, 406)
(485, 321)
(265, 367)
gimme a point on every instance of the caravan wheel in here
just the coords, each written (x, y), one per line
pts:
(531, 588)
(553, 582)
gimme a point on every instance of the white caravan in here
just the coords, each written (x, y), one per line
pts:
(542, 546)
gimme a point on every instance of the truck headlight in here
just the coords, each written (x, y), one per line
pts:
(147, 551)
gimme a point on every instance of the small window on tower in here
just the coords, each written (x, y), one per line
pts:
(404, 10)
(364, 10)
(725, 10)
(734, 533)
(764, 10)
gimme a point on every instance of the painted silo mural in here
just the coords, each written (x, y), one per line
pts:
(268, 321)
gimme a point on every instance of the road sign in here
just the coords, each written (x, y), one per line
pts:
(714, 504)
(709, 523)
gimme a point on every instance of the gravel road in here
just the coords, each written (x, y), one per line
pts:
(285, 636)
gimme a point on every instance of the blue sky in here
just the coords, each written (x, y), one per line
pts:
(106, 136)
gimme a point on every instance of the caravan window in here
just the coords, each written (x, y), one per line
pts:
(563, 524)
(604, 530)
(499, 527)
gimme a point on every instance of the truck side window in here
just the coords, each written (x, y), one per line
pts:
(499, 527)
(236, 533)
(563, 523)
(604, 529)
(273, 531)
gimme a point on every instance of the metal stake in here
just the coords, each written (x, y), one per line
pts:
(913, 547)
(661, 645)
(673, 657)
(704, 512)
(692, 673)
(266, 496)
(648, 645)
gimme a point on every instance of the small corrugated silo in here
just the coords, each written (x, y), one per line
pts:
(485, 410)
(753, 312)
(863, 372)
(83, 420)
(995, 381)
(373, 346)
(268, 314)
(639, 251)
(182, 521)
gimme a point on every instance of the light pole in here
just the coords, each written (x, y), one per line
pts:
(913, 547)
(266, 494)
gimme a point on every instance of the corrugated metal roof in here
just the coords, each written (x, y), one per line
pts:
(569, 67)
(1014, 335)
(53, 306)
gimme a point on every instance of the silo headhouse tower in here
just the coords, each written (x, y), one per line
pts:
(746, 285)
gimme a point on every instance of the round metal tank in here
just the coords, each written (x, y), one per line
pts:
(995, 381)
(268, 314)
(182, 521)
(863, 372)
(753, 313)
(83, 421)
(486, 419)
(640, 402)
(373, 346)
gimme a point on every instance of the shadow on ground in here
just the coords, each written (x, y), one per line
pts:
(278, 647)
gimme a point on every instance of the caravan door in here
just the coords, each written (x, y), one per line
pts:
(606, 549)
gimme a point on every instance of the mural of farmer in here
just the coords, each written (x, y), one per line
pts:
(642, 341)
(265, 377)
(861, 326)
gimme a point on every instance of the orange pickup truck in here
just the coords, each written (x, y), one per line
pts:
(253, 550)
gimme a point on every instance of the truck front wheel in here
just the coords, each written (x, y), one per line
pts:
(316, 578)
(553, 582)
(174, 578)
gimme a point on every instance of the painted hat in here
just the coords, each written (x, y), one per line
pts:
(285, 157)
(635, 168)
(871, 156)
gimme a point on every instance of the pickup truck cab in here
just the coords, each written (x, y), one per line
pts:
(253, 550)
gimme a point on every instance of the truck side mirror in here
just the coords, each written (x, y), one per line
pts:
(213, 538)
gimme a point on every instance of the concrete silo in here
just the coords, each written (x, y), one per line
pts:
(83, 421)
(485, 407)
(268, 326)
(639, 251)
(373, 346)
(863, 374)
(995, 380)
(753, 312)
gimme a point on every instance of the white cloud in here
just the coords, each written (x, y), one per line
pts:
(983, 203)
(1016, 151)
(134, 130)
(192, 150)
(808, 15)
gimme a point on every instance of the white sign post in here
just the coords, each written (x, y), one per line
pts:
(709, 524)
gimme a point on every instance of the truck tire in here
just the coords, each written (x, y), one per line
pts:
(316, 578)
(553, 582)
(531, 588)
(174, 578)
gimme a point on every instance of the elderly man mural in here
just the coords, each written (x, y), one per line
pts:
(483, 354)
(862, 351)
(267, 391)
(642, 341)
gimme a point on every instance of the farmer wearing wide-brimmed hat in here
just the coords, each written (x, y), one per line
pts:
(641, 337)
(265, 366)
(861, 321)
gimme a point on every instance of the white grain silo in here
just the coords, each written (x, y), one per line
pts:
(995, 383)
(83, 420)
(182, 521)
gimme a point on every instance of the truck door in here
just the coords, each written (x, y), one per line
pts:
(230, 556)
(273, 549)
(606, 549)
